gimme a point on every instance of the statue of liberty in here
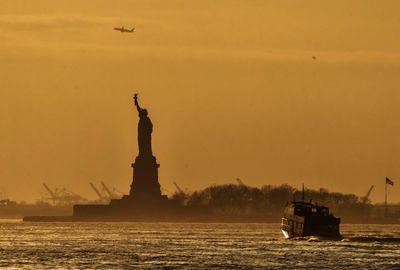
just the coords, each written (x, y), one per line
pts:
(145, 185)
(145, 128)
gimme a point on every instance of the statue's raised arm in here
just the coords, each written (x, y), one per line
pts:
(145, 127)
(135, 97)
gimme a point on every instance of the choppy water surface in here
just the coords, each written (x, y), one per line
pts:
(191, 246)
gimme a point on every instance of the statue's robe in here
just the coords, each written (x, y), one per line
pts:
(145, 128)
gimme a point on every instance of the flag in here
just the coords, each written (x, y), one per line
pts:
(389, 182)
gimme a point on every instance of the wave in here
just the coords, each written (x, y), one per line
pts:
(358, 239)
(314, 238)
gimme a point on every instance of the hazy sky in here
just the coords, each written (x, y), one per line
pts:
(231, 87)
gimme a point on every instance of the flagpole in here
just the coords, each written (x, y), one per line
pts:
(385, 199)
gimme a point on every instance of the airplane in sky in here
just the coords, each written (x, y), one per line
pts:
(122, 29)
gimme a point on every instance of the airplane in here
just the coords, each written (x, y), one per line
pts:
(122, 29)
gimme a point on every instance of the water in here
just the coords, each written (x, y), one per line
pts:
(191, 246)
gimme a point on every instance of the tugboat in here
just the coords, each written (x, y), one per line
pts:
(307, 219)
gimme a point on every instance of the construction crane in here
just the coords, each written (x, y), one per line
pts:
(178, 188)
(52, 194)
(63, 196)
(240, 182)
(108, 191)
(101, 197)
(366, 197)
(67, 197)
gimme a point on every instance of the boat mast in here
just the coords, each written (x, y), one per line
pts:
(302, 194)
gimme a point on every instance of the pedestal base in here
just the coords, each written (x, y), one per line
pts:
(130, 209)
(145, 186)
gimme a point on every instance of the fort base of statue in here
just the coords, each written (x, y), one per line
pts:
(143, 202)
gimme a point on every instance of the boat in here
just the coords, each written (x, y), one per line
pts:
(302, 218)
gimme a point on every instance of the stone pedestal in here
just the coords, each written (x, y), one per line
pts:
(145, 185)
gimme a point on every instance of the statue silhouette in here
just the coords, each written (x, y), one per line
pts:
(145, 185)
(145, 128)
(144, 199)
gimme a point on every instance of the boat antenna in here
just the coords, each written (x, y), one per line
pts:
(302, 194)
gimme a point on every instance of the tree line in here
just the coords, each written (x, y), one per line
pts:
(268, 200)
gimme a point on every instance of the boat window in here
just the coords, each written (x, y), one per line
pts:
(325, 211)
(314, 210)
(298, 210)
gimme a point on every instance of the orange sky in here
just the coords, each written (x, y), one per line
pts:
(231, 87)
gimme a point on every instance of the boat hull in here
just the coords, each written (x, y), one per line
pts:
(305, 219)
(291, 234)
